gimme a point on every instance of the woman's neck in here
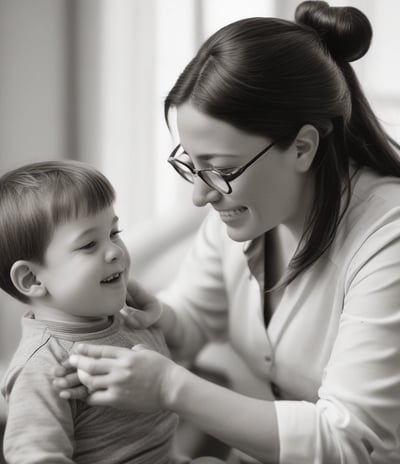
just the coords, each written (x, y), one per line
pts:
(298, 220)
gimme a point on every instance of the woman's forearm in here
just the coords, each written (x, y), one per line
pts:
(140, 379)
(245, 423)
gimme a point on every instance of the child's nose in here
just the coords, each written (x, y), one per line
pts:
(114, 252)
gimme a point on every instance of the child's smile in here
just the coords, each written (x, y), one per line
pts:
(113, 278)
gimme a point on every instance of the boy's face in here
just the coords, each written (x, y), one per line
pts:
(86, 268)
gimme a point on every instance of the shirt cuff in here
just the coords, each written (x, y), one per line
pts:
(297, 431)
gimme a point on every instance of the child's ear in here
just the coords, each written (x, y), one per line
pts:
(307, 141)
(24, 279)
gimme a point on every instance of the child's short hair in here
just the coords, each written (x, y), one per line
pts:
(37, 197)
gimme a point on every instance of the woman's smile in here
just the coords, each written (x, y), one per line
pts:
(232, 214)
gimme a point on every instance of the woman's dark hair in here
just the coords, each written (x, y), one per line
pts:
(36, 198)
(268, 76)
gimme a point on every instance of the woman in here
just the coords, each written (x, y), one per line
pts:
(278, 137)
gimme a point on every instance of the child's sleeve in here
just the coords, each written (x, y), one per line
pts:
(39, 425)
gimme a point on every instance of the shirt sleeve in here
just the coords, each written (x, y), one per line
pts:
(356, 419)
(39, 425)
(198, 294)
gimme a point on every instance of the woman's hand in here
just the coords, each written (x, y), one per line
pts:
(144, 309)
(151, 312)
(138, 379)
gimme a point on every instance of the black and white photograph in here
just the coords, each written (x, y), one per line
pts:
(199, 232)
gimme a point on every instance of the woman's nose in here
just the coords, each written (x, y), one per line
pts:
(203, 194)
(113, 252)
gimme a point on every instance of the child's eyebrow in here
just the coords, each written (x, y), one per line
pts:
(83, 234)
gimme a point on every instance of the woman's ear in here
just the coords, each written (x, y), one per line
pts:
(307, 141)
(24, 278)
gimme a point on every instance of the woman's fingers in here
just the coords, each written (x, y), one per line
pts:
(94, 362)
(207, 460)
(100, 359)
(144, 309)
(97, 351)
(140, 347)
(137, 295)
(118, 377)
(133, 382)
(91, 366)
(134, 318)
(94, 382)
(142, 318)
(101, 398)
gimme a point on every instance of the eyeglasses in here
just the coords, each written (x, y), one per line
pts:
(217, 179)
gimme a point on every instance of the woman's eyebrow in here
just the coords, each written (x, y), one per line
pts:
(210, 156)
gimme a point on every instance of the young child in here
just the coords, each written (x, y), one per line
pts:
(61, 254)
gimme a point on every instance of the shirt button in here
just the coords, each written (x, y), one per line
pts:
(275, 390)
(268, 358)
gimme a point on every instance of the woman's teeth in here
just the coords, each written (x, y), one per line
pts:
(232, 212)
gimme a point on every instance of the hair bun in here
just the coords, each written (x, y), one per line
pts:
(346, 31)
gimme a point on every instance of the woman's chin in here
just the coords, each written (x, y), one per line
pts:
(241, 234)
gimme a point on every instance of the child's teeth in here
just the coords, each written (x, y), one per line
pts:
(112, 277)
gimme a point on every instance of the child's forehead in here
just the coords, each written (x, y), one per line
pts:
(82, 209)
(85, 215)
(84, 221)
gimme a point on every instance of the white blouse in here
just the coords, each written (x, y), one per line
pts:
(332, 347)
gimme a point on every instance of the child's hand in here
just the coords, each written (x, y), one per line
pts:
(66, 380)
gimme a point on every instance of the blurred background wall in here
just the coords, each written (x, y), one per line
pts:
(86, 79)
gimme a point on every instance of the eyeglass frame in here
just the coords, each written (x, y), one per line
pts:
(227, 178)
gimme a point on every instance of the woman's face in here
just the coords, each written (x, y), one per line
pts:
(270, 192)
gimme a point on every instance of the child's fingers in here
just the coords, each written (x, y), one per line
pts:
(78, 393)
(67, 381)
(59, 371)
